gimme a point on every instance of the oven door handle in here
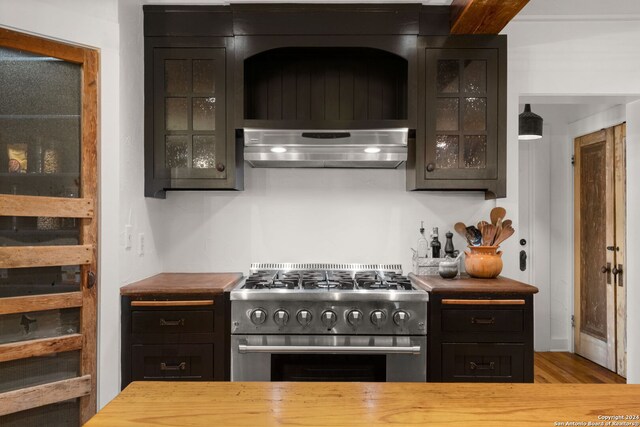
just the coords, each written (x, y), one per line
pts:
(302, 349)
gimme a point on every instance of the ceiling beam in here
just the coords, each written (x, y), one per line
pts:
(483, 16)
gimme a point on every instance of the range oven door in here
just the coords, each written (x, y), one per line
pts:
(328, 358)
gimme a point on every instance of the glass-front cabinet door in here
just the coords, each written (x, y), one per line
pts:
(461, 134)
(189, 116)
(48, 183)
(461, 125)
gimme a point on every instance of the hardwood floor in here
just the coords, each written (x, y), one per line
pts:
(564, 367)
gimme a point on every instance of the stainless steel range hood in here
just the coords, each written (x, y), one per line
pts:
(366, 148)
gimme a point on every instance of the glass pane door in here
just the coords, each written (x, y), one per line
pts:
(48, 125)
(461, 131)
(189, 113)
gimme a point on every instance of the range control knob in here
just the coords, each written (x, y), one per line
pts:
(258, 316)
(354, 317)
(400, 318)
(281, 317)
(304, 317)
(329, 318)
(378, 317)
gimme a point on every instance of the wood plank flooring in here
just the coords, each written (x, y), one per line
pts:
(564, 367)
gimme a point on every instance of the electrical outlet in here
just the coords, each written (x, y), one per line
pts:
(141, 244)
(128, 238)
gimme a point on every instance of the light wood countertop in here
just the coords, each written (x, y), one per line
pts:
(183, 283)
(365, 404)
(465, 285)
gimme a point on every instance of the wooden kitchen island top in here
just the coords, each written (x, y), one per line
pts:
(182, 283)
(366, 404)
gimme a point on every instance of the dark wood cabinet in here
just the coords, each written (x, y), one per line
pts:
(176, 326)
(461, 136)
(190, 142)
(480, 337)
(479, 330)
(181, 337)
(211, 71)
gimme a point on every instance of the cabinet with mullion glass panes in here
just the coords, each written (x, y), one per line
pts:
(189, 137)
(461, 136)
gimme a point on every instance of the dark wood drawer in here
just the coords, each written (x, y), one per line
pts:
(483, 362)
(482, 320)
(172, 362)
(172, 322)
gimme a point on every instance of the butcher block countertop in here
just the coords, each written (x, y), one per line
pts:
(466, 285)
(183, 283)
(366, 404)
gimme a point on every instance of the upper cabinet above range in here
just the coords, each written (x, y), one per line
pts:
(461, 135)
(190, 141)
(212, 71)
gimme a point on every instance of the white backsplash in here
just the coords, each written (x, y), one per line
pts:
(308, 215)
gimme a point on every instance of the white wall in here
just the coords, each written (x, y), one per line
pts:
(633, 243)
(305, 215)
(534, 186)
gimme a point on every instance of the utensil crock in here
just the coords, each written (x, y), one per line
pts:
(483, 262)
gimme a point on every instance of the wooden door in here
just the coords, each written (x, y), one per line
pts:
(620, 187)
(48, 231)
(598, 189)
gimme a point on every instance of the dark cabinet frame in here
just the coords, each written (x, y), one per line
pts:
(481, 331)
(408, 31)
(166, 340)
(156, 179)
(492, 179)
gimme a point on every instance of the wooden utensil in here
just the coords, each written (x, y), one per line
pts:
(488, 234)
(497, 213)
(504, 235)
(461, 229)
(506, 222)
(481, 224)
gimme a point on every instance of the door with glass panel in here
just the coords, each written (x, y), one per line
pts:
(48, 231)
(189, 119)
(461, 115)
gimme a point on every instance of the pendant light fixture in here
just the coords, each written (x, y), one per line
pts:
(530, 124)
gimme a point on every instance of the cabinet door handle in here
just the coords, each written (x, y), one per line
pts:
(491, 366)
(172, 303)
(431, 167)
(179, 367)
(485, 321)
(164, 322)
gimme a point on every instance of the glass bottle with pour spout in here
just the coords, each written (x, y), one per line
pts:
(423, 244)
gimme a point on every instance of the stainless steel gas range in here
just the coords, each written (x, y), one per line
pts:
(328, 322)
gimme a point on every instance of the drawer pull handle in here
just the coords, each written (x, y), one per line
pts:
(491, 366)
(485, 321)
(483, 302)
(193, 303)
(179, 367)
(164, 322)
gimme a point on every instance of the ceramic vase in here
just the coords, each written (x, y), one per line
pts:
(483, 262)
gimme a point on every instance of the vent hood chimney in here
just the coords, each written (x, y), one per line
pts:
(362, 148)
